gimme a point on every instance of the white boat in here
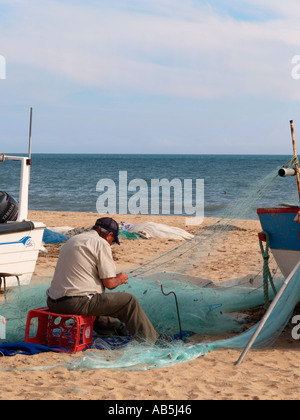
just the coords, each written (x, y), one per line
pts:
(21, 239)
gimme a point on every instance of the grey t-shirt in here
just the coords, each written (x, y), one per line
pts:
(84, 260)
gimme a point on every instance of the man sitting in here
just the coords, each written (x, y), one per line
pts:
(85, 268)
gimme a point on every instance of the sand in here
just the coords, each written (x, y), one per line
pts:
(265, 374)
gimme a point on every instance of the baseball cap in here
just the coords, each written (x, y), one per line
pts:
(110, 225)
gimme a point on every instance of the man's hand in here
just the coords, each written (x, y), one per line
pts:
(113, 282)
(122, 277)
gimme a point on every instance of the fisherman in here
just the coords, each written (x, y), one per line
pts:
(85, 268)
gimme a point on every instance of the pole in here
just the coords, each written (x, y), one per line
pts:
(295, 156)
(29, 148)
(30, 134)
(268, 313)
(23, 195)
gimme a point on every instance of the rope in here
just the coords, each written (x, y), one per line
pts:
(267, 277)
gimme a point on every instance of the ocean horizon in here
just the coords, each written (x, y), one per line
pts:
(68, 182)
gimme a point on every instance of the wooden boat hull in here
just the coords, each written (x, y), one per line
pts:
(284, 235)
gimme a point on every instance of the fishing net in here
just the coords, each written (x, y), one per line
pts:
(188, 257)
(202, 310)
(142, 357)
(203, 307)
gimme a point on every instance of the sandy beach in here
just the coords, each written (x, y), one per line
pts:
(265, 374)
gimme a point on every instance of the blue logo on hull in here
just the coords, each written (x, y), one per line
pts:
(26, 241)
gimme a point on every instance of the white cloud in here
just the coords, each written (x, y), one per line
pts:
(179, 49)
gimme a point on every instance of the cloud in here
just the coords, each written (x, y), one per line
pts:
(168, 48)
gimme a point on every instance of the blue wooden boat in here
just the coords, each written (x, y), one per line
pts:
(283, 229)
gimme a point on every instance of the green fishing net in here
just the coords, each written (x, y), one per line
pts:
(202, 310)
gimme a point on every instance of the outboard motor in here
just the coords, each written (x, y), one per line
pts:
(8, 208)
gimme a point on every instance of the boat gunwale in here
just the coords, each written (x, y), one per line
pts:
(278, 210)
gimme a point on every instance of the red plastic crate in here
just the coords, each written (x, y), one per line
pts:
(72, 332)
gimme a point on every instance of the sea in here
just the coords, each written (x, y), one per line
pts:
(124, 183)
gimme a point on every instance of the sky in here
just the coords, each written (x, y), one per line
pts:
(150, 76)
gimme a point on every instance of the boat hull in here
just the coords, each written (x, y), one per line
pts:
(284, 235)
(20, 243)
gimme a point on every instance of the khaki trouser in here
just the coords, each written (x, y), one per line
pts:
(120, 305)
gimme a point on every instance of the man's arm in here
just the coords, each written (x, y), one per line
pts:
(113, 282)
